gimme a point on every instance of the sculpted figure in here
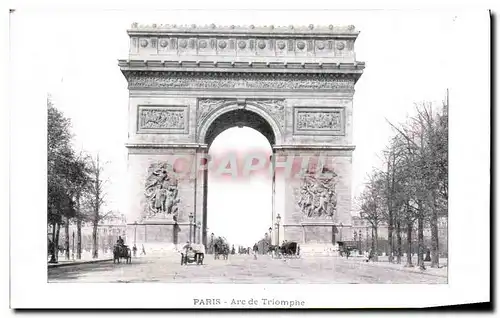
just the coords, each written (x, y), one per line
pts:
(318, 196)
(161, 191)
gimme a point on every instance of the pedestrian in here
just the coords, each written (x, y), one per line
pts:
(134, 250)
(370, 255)
(143, 250)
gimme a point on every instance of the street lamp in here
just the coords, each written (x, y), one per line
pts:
(190, 223)
(135, 232)
(212, 242)
(366, 238)
(341, 226)
(277, 224)
(197, 229)
(359, 237)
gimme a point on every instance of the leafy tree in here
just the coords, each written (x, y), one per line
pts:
(62, 174)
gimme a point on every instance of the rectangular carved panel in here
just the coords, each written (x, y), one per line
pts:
(318, 234)
(319, 121)
(163, 119)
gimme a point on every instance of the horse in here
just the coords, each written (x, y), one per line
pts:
(221, 248)
(122, 251)
(274, 250)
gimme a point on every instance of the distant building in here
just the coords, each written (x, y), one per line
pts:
(363, 230)
(108, 231)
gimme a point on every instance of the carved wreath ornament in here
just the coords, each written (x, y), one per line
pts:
(161, 191)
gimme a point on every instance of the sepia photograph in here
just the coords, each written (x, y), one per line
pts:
(248, 148)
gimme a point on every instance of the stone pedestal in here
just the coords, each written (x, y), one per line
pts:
(319, 249)
(158, 235)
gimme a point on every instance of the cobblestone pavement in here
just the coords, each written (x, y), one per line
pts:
(238, 269)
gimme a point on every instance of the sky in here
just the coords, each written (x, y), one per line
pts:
(408, 55)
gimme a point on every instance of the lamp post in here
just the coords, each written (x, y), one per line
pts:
(190, 223)
(270, 230)
(197, 229)
(277, 224)
(212, 242)
(366, 238)
(73, 249)
(355, 236)
(359, 238)
(135, 232)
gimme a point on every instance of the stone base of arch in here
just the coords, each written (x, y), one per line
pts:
(318, 234)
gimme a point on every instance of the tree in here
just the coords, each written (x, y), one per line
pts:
(81, 187)
(62, 173)
(95, 199)
(426, 138)
(372, 208)
(393, 195)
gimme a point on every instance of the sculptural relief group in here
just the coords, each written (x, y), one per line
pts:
(161, 191)
(317, 197)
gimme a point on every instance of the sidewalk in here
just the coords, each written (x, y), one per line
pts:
(383, 262)
(86, 259)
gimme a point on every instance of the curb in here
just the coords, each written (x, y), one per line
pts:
(79, 263)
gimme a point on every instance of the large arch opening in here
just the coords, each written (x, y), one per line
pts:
(239, 118)
(239, 200)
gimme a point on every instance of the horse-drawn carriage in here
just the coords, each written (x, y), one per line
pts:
(122, 251)
(287, 249)
(193, 253)
(346, 249)
(221, 247)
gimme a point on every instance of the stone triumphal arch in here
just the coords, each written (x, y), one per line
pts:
(187, 84)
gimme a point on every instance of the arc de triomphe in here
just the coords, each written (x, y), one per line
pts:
(187, 84)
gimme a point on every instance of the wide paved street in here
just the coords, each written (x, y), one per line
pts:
(238, 269)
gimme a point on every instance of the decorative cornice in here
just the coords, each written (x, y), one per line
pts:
(251, 29)
(165, 146)
(261, 81)
(314, 147)
(238, 66)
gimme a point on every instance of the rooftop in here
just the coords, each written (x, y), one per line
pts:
(244, 29)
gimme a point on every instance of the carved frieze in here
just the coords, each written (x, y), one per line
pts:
(262, 47)
(162, 119)
(161, 192)
(261, 81)
(317, 195)
(262, 41)
(319, 121)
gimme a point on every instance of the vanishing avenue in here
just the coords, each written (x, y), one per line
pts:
(240, 269)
